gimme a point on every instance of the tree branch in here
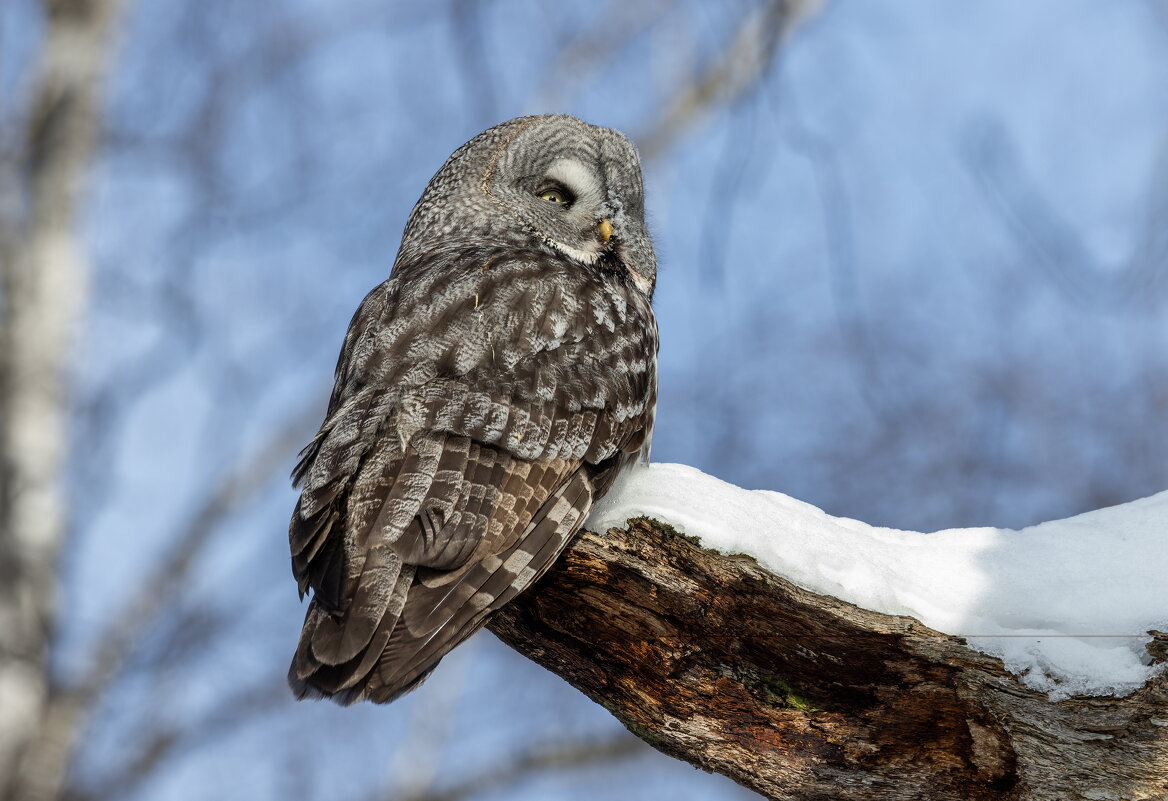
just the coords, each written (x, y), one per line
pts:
(738, 68)
(69, 706)
(155, 747)
(718, 662)
(553, 757)
(1053, 243)
(238, 487)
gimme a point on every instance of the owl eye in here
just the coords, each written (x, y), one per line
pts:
(557, 195)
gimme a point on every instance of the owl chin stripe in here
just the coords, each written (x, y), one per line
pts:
(576, 254)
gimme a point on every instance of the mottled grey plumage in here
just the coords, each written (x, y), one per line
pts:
(486, 396)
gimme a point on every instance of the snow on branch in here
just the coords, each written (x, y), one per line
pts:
(813, 657)
(1066, 604)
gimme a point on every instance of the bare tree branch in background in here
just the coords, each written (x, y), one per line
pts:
(584, 53)
(160, 594)
(44, 278)
(1054, 245)
(842, 257)
(45, 273)
(158, 746)
(557, 756)
(165, 622)
(739, 67)
(159, 591)
(741, 64)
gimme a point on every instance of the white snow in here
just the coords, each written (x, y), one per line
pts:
(1065, 604)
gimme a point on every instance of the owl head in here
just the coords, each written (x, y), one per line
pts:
(554, 181)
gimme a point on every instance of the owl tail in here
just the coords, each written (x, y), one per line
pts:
(426, 616)
(440, 616)
(337, 651)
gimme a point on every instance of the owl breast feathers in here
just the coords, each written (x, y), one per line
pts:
(486, 396)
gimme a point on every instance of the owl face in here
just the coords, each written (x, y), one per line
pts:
(571, 186)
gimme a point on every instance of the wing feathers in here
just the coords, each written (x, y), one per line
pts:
(340, 638)
(309, 677)
(504, 522)
(417, 645)
(480, 405)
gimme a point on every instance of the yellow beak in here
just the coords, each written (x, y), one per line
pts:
(605, 228)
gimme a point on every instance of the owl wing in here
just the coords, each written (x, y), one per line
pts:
(476, 416)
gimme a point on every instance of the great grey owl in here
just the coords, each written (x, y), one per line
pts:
(486, 396)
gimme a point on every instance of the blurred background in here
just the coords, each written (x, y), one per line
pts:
(913, 270)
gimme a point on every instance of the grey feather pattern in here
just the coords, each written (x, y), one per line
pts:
(485, 397)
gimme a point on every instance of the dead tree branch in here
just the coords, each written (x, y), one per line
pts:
(718, 662)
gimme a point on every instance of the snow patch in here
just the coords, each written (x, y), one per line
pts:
(1066, 605)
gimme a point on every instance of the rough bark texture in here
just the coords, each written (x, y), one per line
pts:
(43, 272)
(718, 662)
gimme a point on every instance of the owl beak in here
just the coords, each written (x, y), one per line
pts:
(605, 229)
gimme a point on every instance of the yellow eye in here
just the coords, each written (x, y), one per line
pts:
(557, 196)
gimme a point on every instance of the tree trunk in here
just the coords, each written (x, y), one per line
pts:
(43, 272)
(718, 662)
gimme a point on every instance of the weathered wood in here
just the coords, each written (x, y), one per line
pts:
(718, 662)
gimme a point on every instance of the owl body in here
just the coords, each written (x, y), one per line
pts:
(486, 396)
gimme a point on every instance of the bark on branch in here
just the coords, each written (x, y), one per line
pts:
(718, 662)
